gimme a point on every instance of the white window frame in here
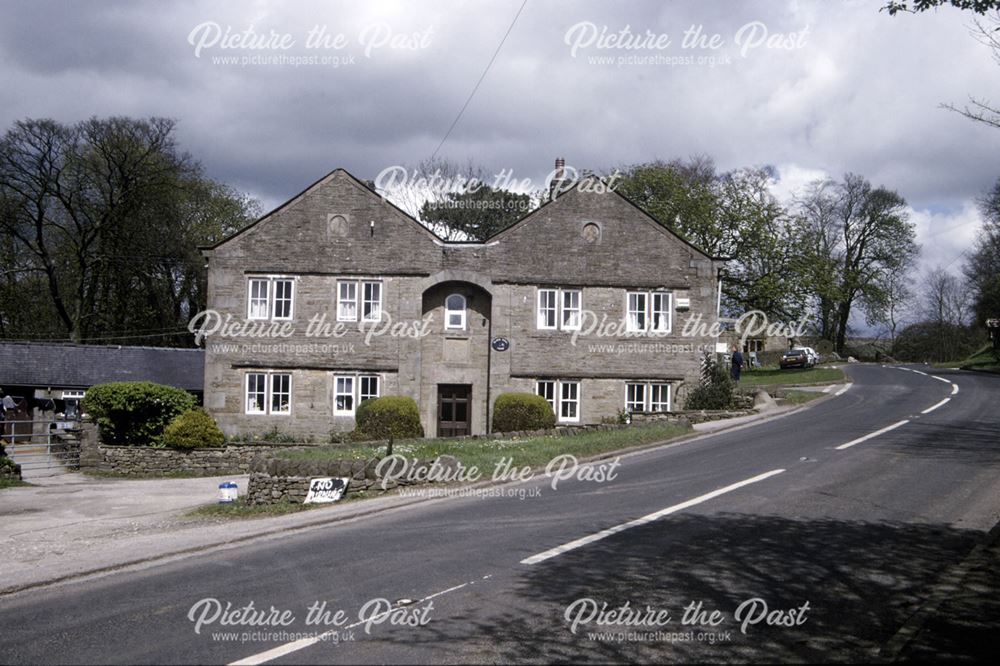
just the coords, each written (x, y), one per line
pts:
(549, 392)
(368, 395)
(268, 393)
(635, 402)
(648, 311)
(270, 299)
(352, 394)
(571, 323)
(544, 310)
(554, 395)
(648, 404)
(375, 301)
(555, 307)
(273, 393)
(343, 302)
(563, 401)
(448, 312)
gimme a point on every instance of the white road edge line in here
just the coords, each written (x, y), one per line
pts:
(603, 534)
(844, 390)
(295, 646)
(920, 373)
(829, 388)
(941, 379)
(872, 434)
(933, 407)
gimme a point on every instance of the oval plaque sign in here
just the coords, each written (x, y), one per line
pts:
(501, 344)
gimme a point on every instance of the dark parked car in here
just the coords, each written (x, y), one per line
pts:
(795, 358)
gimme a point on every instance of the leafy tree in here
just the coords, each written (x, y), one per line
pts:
(104, 218)
(917, 6)
(477, 214)
(859, 238)
(982, 270)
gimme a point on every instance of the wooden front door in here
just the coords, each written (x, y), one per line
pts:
(454, 410)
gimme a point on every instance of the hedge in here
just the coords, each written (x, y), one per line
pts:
(392, 416)
(135, 413)
(194, 429)
(522, 411)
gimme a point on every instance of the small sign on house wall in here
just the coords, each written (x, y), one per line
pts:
(325, 489)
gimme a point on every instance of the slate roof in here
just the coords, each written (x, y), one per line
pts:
(81, 366)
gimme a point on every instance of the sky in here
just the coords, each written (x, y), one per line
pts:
(813, 88)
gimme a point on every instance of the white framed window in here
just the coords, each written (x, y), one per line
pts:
(647, 397)
(256, 393)
(569, 401)
(281, 393)
(257, 298)
(547, 389)
(559, 309)
(548, 308)
(637, 304)
(270, 297)
(659, 397)
(347, 300)
(368, 388)
(648, 311)
(268, 393)
(343, 395)
(454, 312)
(571, 309)
(635, 397)
(349, 391)
(563, 396)
(371, 301)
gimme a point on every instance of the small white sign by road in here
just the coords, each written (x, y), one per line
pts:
(325, 489)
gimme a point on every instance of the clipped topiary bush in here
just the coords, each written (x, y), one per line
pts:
(135, 413)
(194, 429)
(522, 411)
(394, 416)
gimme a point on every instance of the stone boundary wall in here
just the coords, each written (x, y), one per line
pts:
(152, 461)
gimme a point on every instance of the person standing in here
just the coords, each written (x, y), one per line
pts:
(737, 364)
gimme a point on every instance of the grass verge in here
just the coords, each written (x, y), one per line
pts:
(985, 360)
(772, 377)
(485, 453)
(793, 397)
(240, 509)
(12, 483)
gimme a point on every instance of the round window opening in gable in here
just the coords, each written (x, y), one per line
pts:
(591, 232)
(337, 225)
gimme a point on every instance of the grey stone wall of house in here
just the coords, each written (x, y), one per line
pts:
(596, 242)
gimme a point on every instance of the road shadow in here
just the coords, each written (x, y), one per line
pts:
(862, 580)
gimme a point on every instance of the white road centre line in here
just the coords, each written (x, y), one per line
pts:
(844, 390)
(941, 379)
(603, 534)
(872, 434)
(933, 407)
(302, 643)
(920, 373)
(954, 389)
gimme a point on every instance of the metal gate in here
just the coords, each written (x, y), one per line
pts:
(40, 448)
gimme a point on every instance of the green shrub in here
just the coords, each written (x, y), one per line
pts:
(716, 390)
(194, 429)
(135, 413)
(392, 416)
(522, 411)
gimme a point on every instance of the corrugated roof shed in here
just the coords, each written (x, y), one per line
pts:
(82, 366)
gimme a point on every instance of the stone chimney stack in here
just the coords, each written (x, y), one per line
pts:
(558, 178)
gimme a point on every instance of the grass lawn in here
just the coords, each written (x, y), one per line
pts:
(986, 359)
(771, 377)
(485, 453)
(12, 483)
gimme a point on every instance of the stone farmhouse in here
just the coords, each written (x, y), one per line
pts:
(338, 296)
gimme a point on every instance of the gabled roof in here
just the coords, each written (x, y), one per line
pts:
(573, 191)
(315, 184)
(82, 366)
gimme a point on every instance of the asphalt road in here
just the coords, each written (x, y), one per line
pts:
(860, 534)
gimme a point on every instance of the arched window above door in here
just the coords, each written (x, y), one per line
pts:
(454, 312)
